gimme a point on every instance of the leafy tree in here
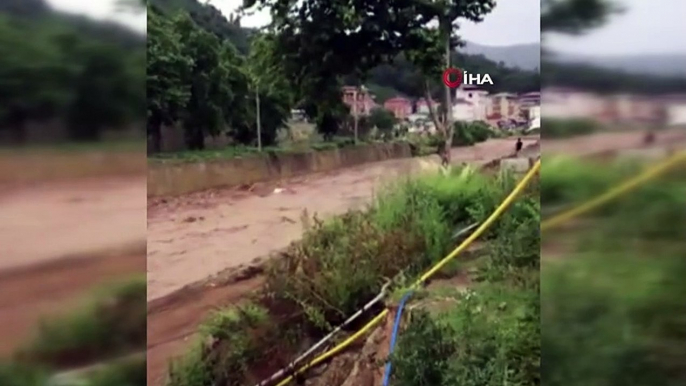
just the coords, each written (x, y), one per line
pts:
(606, 81)
(382, 119)
(68, 69)
(209, 82)
(575, 17)
(168, 72)
(103, 96)
(34, 81)
(319, 38)
(271, 89)
(444, 39)
(209, 18)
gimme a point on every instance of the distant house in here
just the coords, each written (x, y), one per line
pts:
(675, 109)
(529, 99)
(422, 106)
(478, 99)
(534, 117)
(359, 100)
(565, 103)
(399, 106)
(504, 106)
(529, 105)
(463, 110)
(298, 115)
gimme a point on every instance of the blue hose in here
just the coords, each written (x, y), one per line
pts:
(396, 327)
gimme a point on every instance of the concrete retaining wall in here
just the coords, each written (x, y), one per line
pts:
(41, 166)
(170, 179)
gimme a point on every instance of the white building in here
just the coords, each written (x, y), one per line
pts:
(673, 109)
(503, 106)
(464, 111)
(676, 113)
(534, 117)
(477, 98)
(563, 103)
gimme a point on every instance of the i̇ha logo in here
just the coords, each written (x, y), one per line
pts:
(460, 77)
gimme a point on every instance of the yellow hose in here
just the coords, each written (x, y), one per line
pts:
(619, 190)
(465, 244)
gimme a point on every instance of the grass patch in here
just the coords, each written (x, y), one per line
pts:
(567, 128)
(80, 147)
(614, 313)
(340, 265)
(132, 372)
(229, 152)
(114, 322)
(490, 334)
(615, 319)
(21, 375)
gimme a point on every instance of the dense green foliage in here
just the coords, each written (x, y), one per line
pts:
(210, 19)
(565, 128)
(198, 80)
(607, 81)
(491, 334)
(85, 75)
(111, 324)
(467, 134)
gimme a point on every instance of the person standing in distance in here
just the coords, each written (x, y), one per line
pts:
(518, 146)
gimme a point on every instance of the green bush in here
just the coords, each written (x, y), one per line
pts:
(114, 322)
(566, 128)
(470, 133)
(614, 320)
(18, 375)
(127, 373)
(647, 212)
(492, 335)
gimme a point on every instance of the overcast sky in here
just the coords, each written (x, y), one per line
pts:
(101, 9)
(511, 22)
(647, 27)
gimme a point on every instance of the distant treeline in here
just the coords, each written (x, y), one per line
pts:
(81, 75)
(604, 80)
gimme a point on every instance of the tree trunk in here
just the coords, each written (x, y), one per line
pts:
(155, 135)
(448, 129)
(195, 140)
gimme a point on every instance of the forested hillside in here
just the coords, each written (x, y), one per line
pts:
(81, 75)
(606, 80)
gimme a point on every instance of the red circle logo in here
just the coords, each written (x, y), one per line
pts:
(458, 77)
